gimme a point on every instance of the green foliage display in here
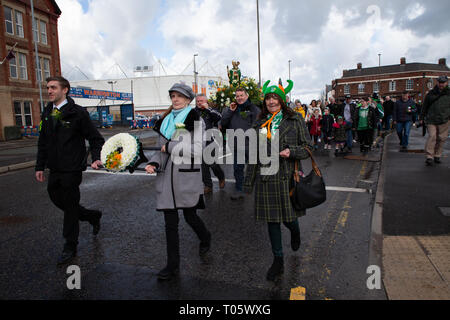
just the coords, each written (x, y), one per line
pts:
(226, 94)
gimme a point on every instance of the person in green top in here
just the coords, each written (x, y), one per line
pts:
(364, 123)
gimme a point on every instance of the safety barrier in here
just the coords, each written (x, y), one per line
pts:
(30, 131)
(141, 124)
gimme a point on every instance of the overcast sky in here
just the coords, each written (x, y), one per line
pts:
(320, 37)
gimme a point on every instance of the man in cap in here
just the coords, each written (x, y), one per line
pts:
(436, 114)
(402, 117)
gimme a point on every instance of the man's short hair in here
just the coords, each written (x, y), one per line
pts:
(201, 95)
(242, 90)
(63, 82)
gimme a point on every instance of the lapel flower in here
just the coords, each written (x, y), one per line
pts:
(180, 125)
(244, 114)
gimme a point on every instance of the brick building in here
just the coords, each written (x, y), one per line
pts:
(19, 86)
(416, 78)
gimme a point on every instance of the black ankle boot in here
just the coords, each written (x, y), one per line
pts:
(168, 273)
(276, 269)
(295, 241)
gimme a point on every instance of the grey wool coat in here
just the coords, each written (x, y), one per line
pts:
(179, 183)
(272, 201)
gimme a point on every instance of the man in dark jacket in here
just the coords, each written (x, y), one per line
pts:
(436, 114)
(347, 110)
(402, 117)
(388, 107)
(241, 114)
(211, 118)
(62, 149)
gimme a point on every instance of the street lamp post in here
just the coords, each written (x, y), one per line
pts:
(290, 93)
(112, 86)
(195, 74)
(259, 43)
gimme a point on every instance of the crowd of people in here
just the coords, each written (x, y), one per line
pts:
(182, 186)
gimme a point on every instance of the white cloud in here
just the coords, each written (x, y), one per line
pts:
(320, 38)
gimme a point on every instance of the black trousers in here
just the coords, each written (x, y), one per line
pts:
(365, 138)
(172, 239)
(64, 191)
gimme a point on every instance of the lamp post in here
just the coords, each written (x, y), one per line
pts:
(195, 75)
(37, 59)
(112, 86)
(290, 93)
(379, 59)
(259, 43)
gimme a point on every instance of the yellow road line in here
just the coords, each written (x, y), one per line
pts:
(298, 294)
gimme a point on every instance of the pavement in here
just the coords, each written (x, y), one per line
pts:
(415, 222)
(410, 229)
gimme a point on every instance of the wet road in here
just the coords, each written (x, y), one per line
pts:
(123, 260)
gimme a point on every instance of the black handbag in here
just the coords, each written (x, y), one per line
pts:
(309, 191)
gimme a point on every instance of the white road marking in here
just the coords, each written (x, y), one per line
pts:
(328, 188)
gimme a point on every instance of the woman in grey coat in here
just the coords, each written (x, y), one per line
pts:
(179, 182)
(272, 200)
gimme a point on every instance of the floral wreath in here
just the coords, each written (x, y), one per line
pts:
(122, 152)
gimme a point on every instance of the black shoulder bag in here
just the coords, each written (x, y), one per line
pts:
(309, 191)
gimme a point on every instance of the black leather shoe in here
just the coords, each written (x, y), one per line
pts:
(167, 273)
(204, 246)
(437, 160)
(429, 162)
(96, 223)
(66, 256)
(276, 269)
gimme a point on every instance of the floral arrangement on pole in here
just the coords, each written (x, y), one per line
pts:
(226, 94)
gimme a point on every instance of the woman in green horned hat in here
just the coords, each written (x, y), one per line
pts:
(272, 200)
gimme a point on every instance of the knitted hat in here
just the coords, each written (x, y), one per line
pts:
(279, 90)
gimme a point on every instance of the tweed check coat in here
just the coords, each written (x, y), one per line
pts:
(272, 201)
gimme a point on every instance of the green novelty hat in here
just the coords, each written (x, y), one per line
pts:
(279, 90)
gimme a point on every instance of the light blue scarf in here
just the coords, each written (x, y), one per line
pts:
(175, 117)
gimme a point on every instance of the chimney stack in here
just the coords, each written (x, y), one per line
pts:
(359, 65)
(402, 60)
(443, 61)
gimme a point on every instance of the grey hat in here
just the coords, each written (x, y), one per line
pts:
(443, 79)
(184, 89)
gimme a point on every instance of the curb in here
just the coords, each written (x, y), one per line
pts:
(376, 236)
(18, 166)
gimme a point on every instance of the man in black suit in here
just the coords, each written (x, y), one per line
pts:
(62, 149)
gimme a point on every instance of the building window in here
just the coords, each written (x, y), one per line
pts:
(430, 84)
(22, 111)
(18, 66)
(347, 89)
(35, 30)
(13, 26)
(43, 69)
(8, 20)
(40, 31)
(361, 88)
(19, 24)
(23, 66)
(392, 86)
(376, 87)
(46, 68)
(409, 84)
(43, 27)
(13, 68)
